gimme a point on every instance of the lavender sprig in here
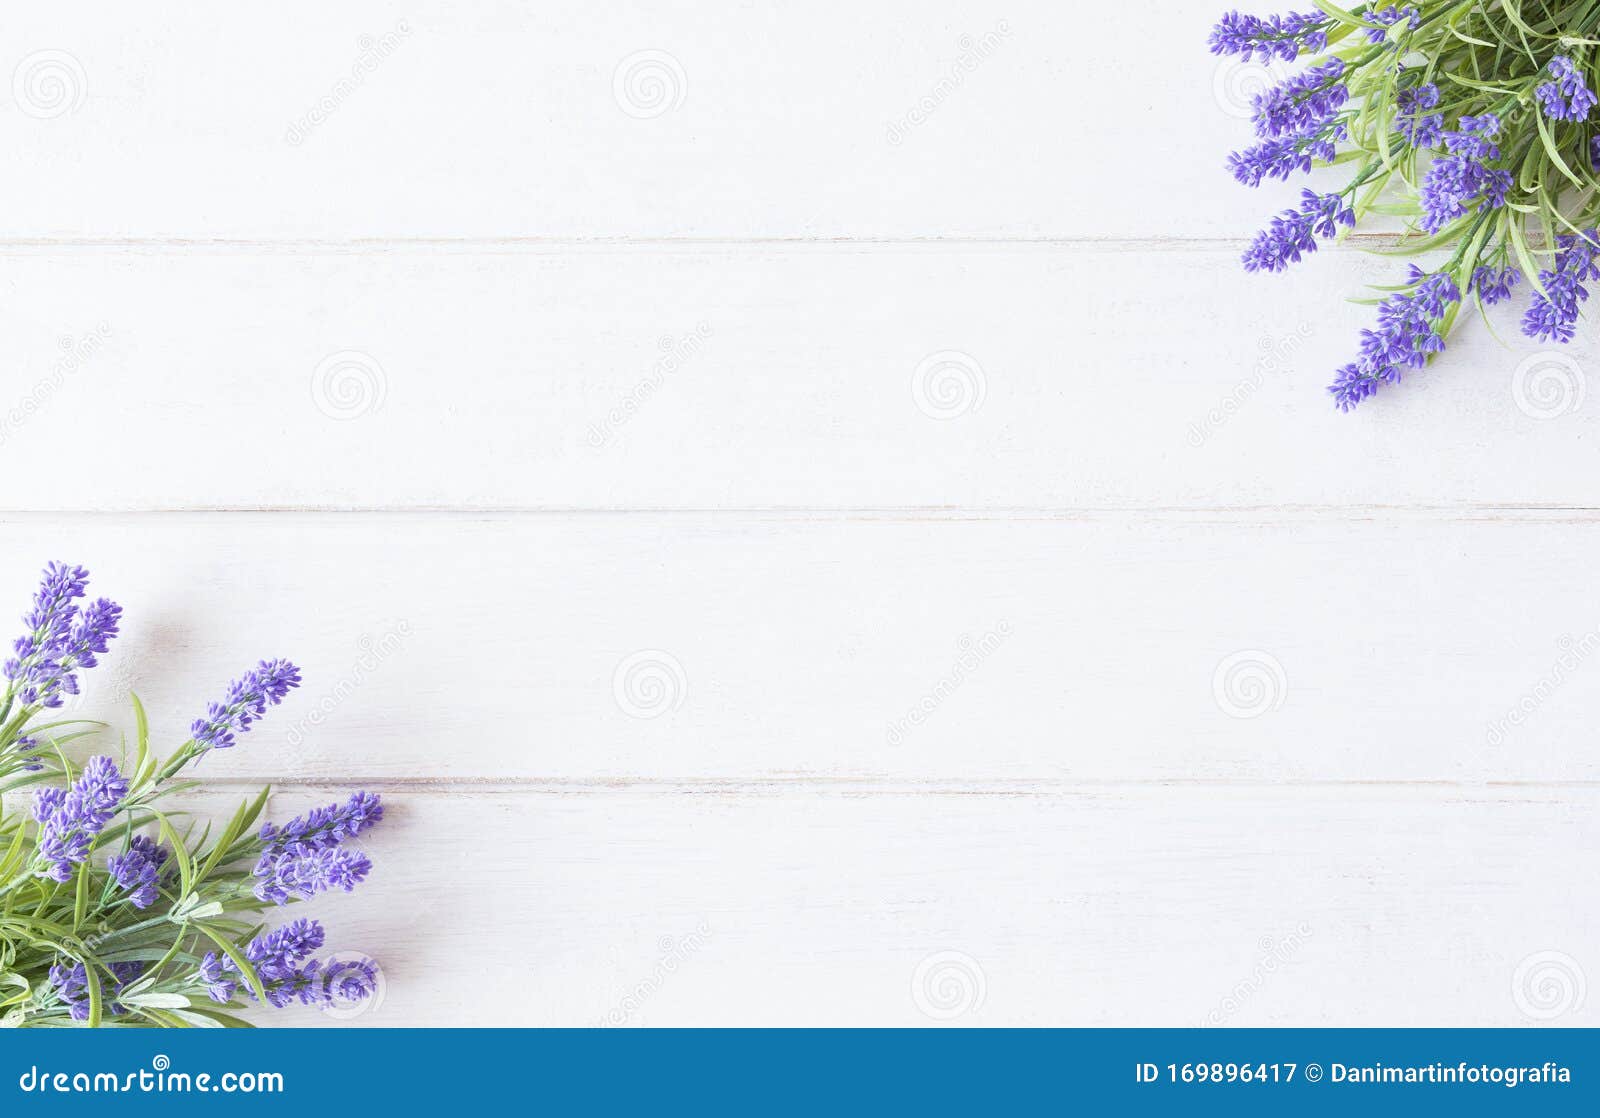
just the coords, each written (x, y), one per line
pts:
(105, 921)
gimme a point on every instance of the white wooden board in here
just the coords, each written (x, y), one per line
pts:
(814, 474)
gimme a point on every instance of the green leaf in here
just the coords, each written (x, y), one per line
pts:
(180, 854)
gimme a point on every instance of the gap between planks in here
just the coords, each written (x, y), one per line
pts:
(1226, 514)
(1359, 242)
(874, 786)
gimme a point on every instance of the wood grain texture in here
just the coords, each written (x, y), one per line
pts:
(504, 119)
(1049, 377)
(1176, 906)
(599, 646)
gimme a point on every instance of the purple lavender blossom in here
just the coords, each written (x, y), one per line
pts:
(287, 877)
(1278, 159)
(248, 696)
(278, 958)
(60, 639)
(1305, 103)
(350, 980)
(324, 827)
(214, 977)
(70, 820)
(304, 857)
(71, 986)
(1493, 285)
(282, 960)
(138, 870)
(1407, 334)
(1421, 128)
(1553, 315)
(1458, 181)
(1295, 231)
(1567, 97)
(1281, 37)
(1387, 19)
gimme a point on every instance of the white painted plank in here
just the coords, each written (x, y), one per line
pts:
(379, 118)
(1342, 906)
(704, 646)
(722, 377)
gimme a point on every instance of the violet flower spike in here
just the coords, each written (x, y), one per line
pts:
(71, 819)
(61, 640)
(1407, 335)
(1295, 231)
(247, 700)
(1282, 37)
(138, 870)
(1567, 97)
(1553, 315)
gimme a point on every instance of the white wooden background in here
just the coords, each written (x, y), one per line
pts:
(801, 515)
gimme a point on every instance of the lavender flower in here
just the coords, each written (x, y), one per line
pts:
(247, 701)
(138, 870)
(214, 971)
(1494, 284)
(1387, 19)
(1278, 159)
(1421, 129)
(324, 827)
(289, 877)
(1281, 37)
(1305, 103)
(278, 958)
(1565, 98)
(275, 954)
(1407, 334)
(71, 986)
(70, 820)
(1295, 231)
(350, 980)
(282, 960)
(304, 856)
(1553, 316)
(1457, 181)
(60, 639)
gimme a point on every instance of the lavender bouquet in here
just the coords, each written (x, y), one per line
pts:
(1471, 120)
(116, 909)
